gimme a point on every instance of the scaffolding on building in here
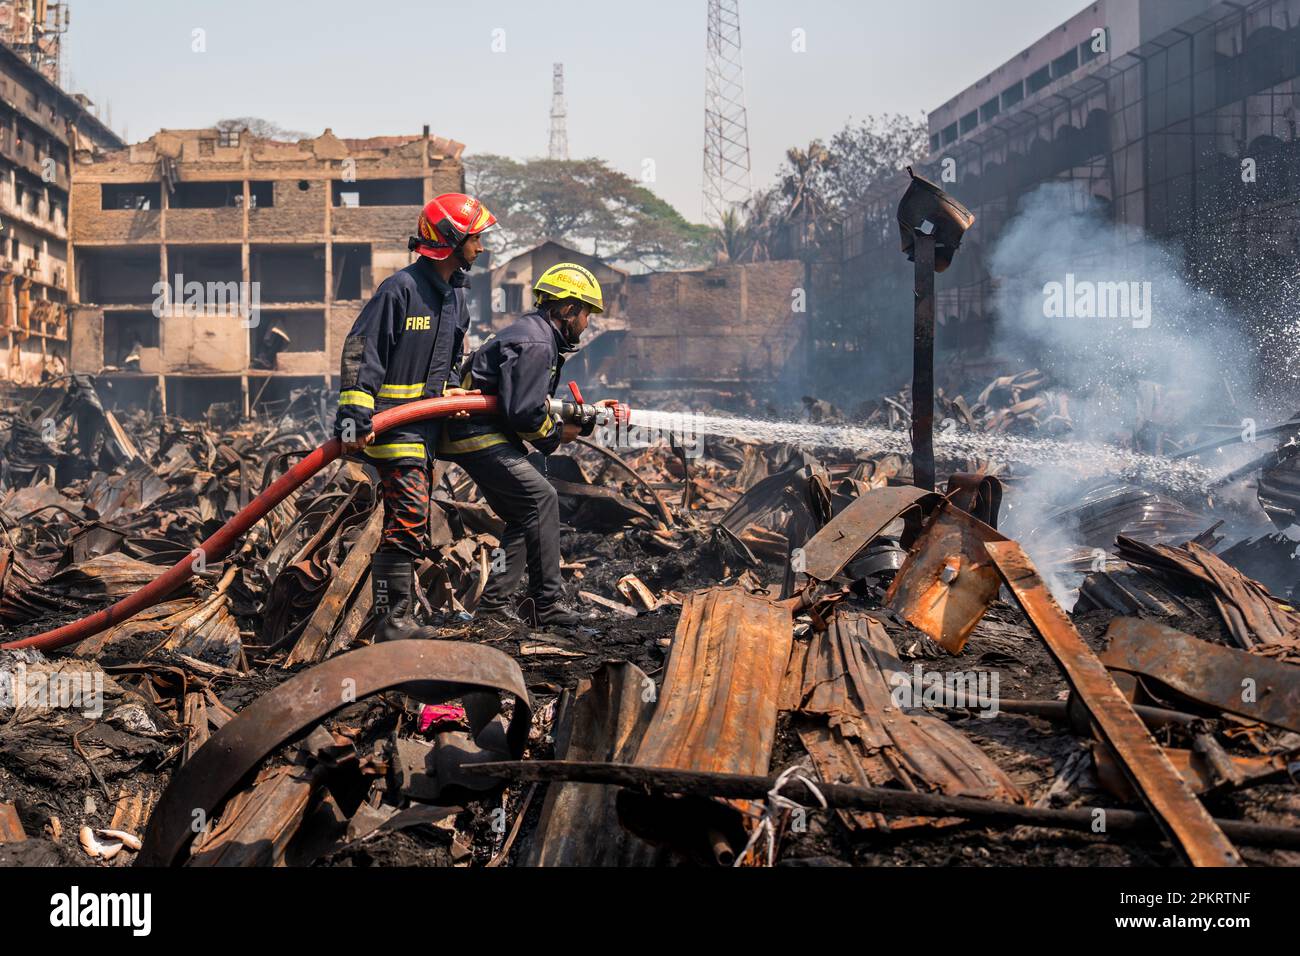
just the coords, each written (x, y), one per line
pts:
(35, 29)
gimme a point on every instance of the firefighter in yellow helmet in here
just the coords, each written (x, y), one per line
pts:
(522, 366)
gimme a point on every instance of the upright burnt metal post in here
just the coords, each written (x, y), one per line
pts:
(931, 224)
(923, 361)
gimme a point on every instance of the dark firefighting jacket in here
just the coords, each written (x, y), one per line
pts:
(521, 366)
(403, 347)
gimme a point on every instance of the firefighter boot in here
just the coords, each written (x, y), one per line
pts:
(391, 576)
(548, 615)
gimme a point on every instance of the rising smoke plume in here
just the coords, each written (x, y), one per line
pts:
(1108, 313)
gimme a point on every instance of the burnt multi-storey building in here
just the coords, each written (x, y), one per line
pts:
(213, 266)
(41, 129)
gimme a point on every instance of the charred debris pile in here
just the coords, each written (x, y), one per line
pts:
(791, 656)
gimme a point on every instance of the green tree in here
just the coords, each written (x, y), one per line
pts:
(261, 128)
(585, 204)
(817, 185)
(864, 153)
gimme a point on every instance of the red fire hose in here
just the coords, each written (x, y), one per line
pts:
(223, 540)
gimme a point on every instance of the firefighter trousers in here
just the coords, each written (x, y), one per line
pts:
(523, 498)
(405, 491)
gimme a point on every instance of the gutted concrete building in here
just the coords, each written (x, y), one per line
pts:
(217, 267)
(41, 127)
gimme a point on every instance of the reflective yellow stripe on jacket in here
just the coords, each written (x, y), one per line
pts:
(358, 398)
(400, 392)
(397, 450)
(548, 427)
(476, 443)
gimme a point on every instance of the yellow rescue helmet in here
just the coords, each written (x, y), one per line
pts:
(568, 280)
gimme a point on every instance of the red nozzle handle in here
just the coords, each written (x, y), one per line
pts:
(577, 395)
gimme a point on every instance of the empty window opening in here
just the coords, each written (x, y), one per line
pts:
(117, 276)
(129, 394)
(207, 195)
(514, 297)
(293, 395)
(289, 274)
(285, 332)
(352, 272)
(130, 196)
(216, 268)
(218, 400)
(380, 192)
(126, 336)
(261, 195)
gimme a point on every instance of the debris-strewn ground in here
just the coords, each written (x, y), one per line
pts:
(93, 506)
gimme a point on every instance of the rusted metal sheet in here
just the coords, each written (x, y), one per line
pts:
(1192, 767)
(430, 671)
(717, 712)
(603, 720)
(853, 727)
(11, 828)
(718, 703)
(948, 581)
(830, 551)
(315, 638)
(762, 499)
(1130, 592)
(1279, 491)
(1103, 513)
(1192, 830)
(1223, 677)
(1259, 622)
(978, 495)
(196, 723)
(257, 824)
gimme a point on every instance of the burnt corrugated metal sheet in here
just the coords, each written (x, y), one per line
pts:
(717, 712)
(1184, 818)
(604, 719)
(856, 733)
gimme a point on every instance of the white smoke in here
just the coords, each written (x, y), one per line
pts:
(1184, 359)
(1175, 356)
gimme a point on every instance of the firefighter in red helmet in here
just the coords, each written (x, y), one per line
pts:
(403, 347)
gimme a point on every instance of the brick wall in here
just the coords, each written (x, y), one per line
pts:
(205, 225)
(729, 323)
(296, 213)
(375, 222)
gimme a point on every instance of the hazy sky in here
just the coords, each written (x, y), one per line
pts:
(634, 71)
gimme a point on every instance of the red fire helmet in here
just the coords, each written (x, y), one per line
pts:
(446, 222)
